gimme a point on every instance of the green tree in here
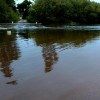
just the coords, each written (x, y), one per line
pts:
(7, 13)
(64, 11)
(23, 8)
(11, 3)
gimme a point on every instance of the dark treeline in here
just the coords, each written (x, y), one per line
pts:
(8, 11)
(51, 11)
(23, 8)
(64, 11)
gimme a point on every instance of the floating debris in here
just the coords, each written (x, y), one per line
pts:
(8, 32)
(12, 82)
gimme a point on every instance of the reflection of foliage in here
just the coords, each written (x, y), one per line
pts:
(50, 40)
(8, 52)
(64, 38)
(50, 57)
(24, 34)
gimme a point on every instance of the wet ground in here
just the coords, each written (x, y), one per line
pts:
(49, 63)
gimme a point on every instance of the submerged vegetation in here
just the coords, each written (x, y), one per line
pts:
(8, 12)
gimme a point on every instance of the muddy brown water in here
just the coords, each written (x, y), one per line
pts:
(49, 64)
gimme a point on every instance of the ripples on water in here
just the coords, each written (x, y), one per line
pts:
(31, 26)
(50, 54)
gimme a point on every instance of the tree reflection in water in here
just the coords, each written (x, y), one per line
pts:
(52, 39)
(50, 56)
(48, 51)
(8, 52)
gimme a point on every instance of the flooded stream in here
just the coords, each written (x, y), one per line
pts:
(49, 63)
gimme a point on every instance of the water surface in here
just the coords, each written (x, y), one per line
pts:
(49, 63)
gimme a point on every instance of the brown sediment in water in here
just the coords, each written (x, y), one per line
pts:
(44, 89)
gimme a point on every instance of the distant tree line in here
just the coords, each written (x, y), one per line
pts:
(64, 11)
(23, 8)
(8, 11)
(51, 11)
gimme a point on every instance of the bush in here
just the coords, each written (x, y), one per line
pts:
(7, 15)
(64, 11)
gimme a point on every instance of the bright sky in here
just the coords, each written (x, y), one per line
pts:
(96, 0)
(20, 1)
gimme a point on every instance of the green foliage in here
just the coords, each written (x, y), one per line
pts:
(7, 13)
(23, 8)
(11, 3)
(64, 11)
